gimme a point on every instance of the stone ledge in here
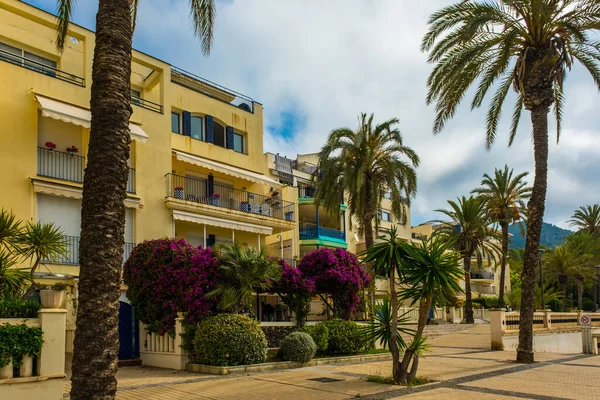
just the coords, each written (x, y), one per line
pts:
(13, 381)
(545, 331)
(240, 369)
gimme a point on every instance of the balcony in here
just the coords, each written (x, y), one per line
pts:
(306, 192)
(69, 167)
(35, 66)
(147, 104)
(482, 276)
(309, 231)
(72, 258)
(201, 191)
(211, 89)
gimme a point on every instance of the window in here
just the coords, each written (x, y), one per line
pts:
(135, 97)
(175, 122)
(26, 59)
(387, 195)
(219, 134)
(238, 143)
(196, 123)
(386, 216)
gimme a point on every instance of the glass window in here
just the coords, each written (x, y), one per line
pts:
(40, 60)
(135, 97)
(386, 216)
(387, 195)
(219, 134)
(11, 50)
(197, 128)
(238, 143)
(175, 123)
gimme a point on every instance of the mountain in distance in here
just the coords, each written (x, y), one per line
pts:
(552, 235)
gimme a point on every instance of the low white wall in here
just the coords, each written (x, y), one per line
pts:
(549, 342)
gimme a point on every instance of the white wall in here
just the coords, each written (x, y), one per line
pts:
(563, 342)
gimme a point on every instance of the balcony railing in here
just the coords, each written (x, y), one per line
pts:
(147, 104)
(21, 61)
(72, 258)
(199, 190)
(310, 231)
(60, 165)
(131, 180)
(307, 192)
(482, 275)
(198, 84)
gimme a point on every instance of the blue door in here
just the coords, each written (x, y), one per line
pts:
(128, 333)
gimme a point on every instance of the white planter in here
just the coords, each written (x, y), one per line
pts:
(6, 372)
(26, 368)
(52, 298)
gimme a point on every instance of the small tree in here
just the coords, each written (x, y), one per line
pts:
(295, 291)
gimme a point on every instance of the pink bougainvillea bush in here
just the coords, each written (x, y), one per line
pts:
(338, 273)
(296, 291)
(167, 276)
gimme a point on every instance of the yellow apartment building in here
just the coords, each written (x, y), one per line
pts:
(197, 164)
(485, 279)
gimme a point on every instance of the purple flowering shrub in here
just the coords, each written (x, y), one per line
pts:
(167, 276)
(338, 273)
(295, 291)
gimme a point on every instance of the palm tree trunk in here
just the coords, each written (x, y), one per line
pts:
(404, 375)
(469, 319)
(535, 215)
(394, 329)
(564, 297)
(368, 228)
(103, 211)
(579, 294)
(31, 288)
(504, 227)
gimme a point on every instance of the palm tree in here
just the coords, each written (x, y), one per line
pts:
(365, 164)
(244, 270)
(105, 180)
(429, 273)
(505, 196)
(587, 219)
(587, 247)
(13, 280)
(561, 268)
(469, 233)
(525, 44)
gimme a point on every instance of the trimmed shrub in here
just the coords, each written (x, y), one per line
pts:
(15, 308)
(228, 340)
(344, 337)
(588, 305)
(275, 334)
(320, 335)
(487, 302)
(297, 346)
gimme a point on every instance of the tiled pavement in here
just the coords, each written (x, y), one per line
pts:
(461, 363)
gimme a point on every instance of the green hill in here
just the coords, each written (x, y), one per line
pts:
(551, 235)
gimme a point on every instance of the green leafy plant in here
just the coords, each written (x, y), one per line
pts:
(345, 337)
(297, 346)
(16, 308)
(275, 334)
(381, 326)
(320, 335)
(229, 339)
(59, 286)
(18, 341)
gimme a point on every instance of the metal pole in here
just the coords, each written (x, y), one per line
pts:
(542, 280)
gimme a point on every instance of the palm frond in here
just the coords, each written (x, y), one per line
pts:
(203, 18)
(64, 13)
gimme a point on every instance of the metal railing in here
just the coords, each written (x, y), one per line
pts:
(199, 190)
(482, 275)
(35, 66)
(198, 84)
(60, 165)
(131, 180)
(72, 256)
(306, 192)
(309, 231)
(147, 104)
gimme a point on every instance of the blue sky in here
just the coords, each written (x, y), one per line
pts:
(316, 65)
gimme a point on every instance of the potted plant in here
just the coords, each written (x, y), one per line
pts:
(50, 146)
(245, 206)
(178, 192)
(6, 367)
(214, 199)
(27, 345)
(53, 296)
(72, 150)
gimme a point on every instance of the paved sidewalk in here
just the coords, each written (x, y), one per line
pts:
(462, 364)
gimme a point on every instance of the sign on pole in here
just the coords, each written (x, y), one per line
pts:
(585, 320)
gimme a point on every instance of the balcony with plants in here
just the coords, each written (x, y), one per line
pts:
(317, 227)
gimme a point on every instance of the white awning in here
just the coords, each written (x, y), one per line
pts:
(227, 169)
(221, 222)
(55, 189)
(79, 116)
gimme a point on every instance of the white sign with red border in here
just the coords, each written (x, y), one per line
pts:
(585, 320)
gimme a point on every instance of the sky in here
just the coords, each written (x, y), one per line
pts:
(316, 65)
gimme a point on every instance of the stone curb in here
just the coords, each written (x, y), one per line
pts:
(274, 366)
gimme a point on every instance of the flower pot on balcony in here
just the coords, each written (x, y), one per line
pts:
(178, 193)
(6, 372)
(289, 216)
(214, 201)
(26, 369)
(52, 298)
(245, 207)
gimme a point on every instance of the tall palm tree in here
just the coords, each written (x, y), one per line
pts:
(587, 247)
(528, 45)
(563, 267)
(103, 212)
(469, 232)
(364, 165)
(587, 219)
(505, 196)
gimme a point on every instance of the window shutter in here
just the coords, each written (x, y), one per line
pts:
(210, 133)
(229, 134)
(187, 123)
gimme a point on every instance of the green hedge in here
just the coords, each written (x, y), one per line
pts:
(297, 346)
(487, 302)
(319, 334)
(14, 308)
(344, 337)
(17, 341)
(275, 334)
(228, 340)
